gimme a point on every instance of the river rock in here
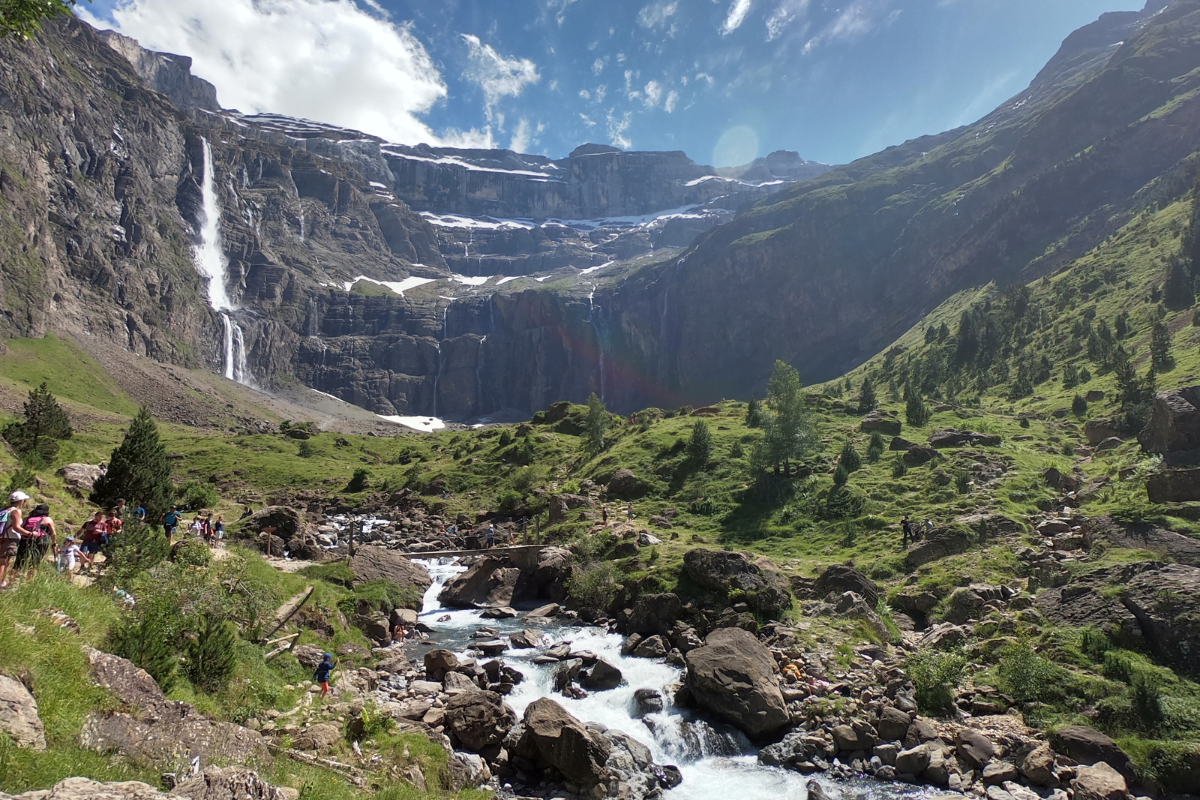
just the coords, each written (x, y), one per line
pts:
(893, 724)
(733, 676)
(997, 772)
(912, 761)
(372, 563)
(526, 639)
(490, 581)
(651, 647)
(19, 715)
(839, 578)
(1099, 782)
(763, 587)
(282, 521)
(438, 662)
(557, 739)
(601, 677)
(457, 682)
(649, 701)
(974, 748)
(479, 719)
(1038, 766)
(1089, 746)
(654, 613)
(544, 612)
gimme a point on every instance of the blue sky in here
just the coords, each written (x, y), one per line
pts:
(723, 80)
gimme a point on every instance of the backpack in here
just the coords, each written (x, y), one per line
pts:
(5, 515)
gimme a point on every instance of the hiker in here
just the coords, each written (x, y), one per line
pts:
(906, 528)
(247, 511)
(491, 536)
(93, 535)
(928, 526)
(218, 531)
(321, 676)
(629, 511)
(11, 532)
(140, 514)
(70, 557)
(197, 527)
(42, 536)
(103, 469)
(114, 522)
(604, 515)
(170, 522)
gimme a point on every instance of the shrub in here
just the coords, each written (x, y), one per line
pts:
(700, 444)
(1118, 666)
(337, 572)
(506, 438)
(899, 467)
(1079, 406)
(935, 675)
(875, 447)
(850, 459)
(962, 481)
(737, 451)
(508, 501)
(841, 475)
(1147, 700)
(360, 481)
(1024, 674)
(594, 586)
(138, 549)
(1094, 643)
(192, 552)
(23, 478)
(843, 503)
(212, 654)
(197, 495)
(305, 449)
(146, 643)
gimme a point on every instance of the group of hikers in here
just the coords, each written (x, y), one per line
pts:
(604, 513)
(912, 532)
(27, 536)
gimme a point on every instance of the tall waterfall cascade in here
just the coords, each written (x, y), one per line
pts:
(211, 263)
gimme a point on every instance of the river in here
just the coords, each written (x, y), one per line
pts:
(717, 762)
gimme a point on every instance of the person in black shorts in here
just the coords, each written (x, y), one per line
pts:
(170, 521)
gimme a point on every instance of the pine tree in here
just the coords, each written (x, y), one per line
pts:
(1177, 288)
(138, 470)
(875, 447)
(789, 431)
(211, 655)
(596, 424)
(866, 397)
(1079, 406)
(850, 459)
(699, 447)
(37, 437)
(841, 475)
(1122, 325)
(1160, 348)
(145, 643)
(915, 410)
(753, 413)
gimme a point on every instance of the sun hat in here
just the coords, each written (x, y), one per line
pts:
(18, 496)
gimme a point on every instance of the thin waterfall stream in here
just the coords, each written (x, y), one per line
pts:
(717, 762)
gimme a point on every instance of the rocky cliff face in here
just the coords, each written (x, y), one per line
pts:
(416, 280)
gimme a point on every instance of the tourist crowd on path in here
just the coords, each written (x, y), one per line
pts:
(28, 536)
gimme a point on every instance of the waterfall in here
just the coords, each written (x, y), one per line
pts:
(211, 263)
(492, 313)
(445, 320)
(599, 338)
(311, 328)
(437, 379)
(478, 380)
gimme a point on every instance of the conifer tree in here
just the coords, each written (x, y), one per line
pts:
(211, 655)
(1177, 288)
(596, 424)
(866, 397)
(1079, 406)
(145, 643)
(915, 410)
(1122, 325)
(789, 431)
(875, 447)
(753, 413)
(45, 424)
(850, 459)
(138, 470)
(1160, 348)
(700, 445)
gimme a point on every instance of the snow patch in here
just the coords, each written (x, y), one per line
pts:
(471, 281)
(590, 270)
(503, 281)
(399, 287)
(481, 223)
(426, 424)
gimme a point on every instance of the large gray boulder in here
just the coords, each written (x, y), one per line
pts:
(1173, 486)
(733, 676)
(555, 738)
(282, 521)
(372, 563)
(1174, 424)
(1089, 746)
(479, 719)
(19, 715)
(1099, 782)
(624, 485)
(764, 588)
(80, 478)
(491, 581)
(840, 578)
(654, 613)
(940, 544)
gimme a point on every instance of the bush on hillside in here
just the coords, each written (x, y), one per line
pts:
(360, 481)
(212, 654)
(850, 459)
(699, 446)
(594, 586)
(195, 495)
(139, 548)
(192, 552)
(1024, 674)
(146, 641)
(899, 467)
(1094, 643)
(935, 675)
(23, 478)
(875, 447)
(916, 413)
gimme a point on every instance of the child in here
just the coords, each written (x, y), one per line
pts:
(218, 531)
(70, 556)
(321, 676)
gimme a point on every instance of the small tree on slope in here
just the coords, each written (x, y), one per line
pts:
(37, 437)
(138, 470)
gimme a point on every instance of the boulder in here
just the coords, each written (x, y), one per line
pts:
(838, 579)
(733, 676)
(282, 521)
(853, 738)
(878, 421)
(654, 613)
(651, 647)
(649, 701)
(19, 715)
(940, 544)
(320, 738)
(228, 783)
(900, 445)
(1099, 782)
(560, 741)
(551, 574)
(479, 719)
(561, 506)
(80, 478)
(526, 639)
(1089, 746)
(1174, 424)
(305, 548)
(491, 581)
(457, 682)
(893, 725)
(624, 485)
(372, 563)
(764, 588)
(601, 677)
(916, 455)
(956, 438)
(1173, 485)
(544, 612)
(1165, 600)
(1038, 766)
(438, 662)
(974, 748)
(997, 772)
(912, 761)
(1097, 430)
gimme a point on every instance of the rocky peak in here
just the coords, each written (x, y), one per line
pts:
(166, 73)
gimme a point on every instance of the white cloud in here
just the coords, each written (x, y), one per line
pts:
(598, 66)
(629, 82)
(738, 10)
(852, 22)
(657, 14)
(784, 15)
(328, 60)
(704, 76)
(498, 76)
(553, 85)
(591, 123)
(563, 5)
(585, 94)
(618, 129)
(600, 91)
(653, 94)
(521, 137)
(672, 101)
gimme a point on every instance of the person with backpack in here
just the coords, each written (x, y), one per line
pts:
(321, 676)
(170, 522)
(11, 531)
(43, 536)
